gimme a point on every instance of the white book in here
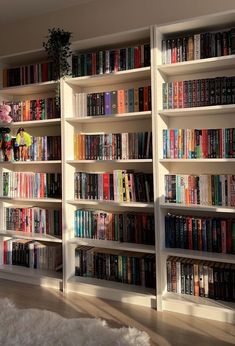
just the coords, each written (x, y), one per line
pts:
(197, 47)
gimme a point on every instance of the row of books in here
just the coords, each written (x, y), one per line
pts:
(119, 186)
(30, 185)
(201, 278)
(113, 102)
(199, 92)
(202, 189)
(45, 148)
(198, 143)
(198, 46)
(110, 60)
(120, 266)
(34, 220)
(39, 109)
(32, 254)
(122, 227)
(113, 146)
(210, 234)
(28, 74)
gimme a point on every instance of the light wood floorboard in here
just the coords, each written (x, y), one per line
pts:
(164, 328)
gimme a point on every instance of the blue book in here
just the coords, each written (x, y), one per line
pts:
(107, 103)
(131, 100)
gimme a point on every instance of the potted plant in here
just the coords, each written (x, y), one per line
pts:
(58, 51)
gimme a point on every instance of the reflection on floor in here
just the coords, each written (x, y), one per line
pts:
(164, 329)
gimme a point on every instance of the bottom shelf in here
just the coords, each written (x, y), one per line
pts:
(200, 307)
(112, 290)
(32, 276)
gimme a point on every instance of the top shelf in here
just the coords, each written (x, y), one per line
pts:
(111, 78)
(197, 66)
(36, 88)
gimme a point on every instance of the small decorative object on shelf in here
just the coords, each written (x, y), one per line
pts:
(5, 118)
(5, 144)
(24, 141)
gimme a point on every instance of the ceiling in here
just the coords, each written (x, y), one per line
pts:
(13, 10)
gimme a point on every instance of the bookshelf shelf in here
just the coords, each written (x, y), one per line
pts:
(108, 244)
(30, 200)
(218, 209)
(31, 236)
(111, 78)
(140, 161)
(198, 66)
(30, 162)
(202, 255)
(198, 306)
(36, 123)
(199, 111)
(40, 277)
(110, 118)
(113, 290)
(29, 89)
(101, 203)
(223, 160)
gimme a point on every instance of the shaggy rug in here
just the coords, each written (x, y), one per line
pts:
(34, 327)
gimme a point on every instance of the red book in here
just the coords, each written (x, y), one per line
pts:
(106, 192)
(204, 143)
(146, 101)
(137, 57)
(44, 72)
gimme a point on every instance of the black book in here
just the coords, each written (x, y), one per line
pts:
(232, 33)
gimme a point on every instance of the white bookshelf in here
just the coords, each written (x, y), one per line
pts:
(157, 119)
(115, 123)
(47, 127)
(218, 116)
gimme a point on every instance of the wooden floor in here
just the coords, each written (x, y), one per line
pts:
(164, 328)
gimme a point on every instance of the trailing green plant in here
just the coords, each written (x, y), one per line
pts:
(58, 51)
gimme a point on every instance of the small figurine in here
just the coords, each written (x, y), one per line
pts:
(24, 141)
(4, 114)
(6, 143)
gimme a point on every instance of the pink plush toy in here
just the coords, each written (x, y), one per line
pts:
(4, 114)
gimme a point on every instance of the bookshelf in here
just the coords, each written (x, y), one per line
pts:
(28, 207)
(124, 122)
(215, 116)
(156, 120)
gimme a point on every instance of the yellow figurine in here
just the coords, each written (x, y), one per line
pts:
(23, 140)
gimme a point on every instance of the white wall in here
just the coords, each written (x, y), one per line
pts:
(104, 17)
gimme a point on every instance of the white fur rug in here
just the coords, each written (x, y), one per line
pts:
(34, 327)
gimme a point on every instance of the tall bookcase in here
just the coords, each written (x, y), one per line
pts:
(217, 116)
(131, 122)
(36, 128)
(156, 120)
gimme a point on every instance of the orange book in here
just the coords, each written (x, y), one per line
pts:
(121, 101)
